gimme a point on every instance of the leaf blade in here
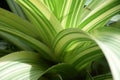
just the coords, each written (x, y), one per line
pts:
(100, 14)
(109, 43)
(21, 65)
(39, 15)
(30, 41)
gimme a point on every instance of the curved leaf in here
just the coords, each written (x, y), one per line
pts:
(75, 47)
(15, 8)
(107, 76)
(65, 70)
(109, 39)
(115, 24)
(68, 38)
(10, 20)
(68, 12)
(100, 14)
(89, 7)
(81, 57)
(22, 65)
(47, 25)
(26, 41)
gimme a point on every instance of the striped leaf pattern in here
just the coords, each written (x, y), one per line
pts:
(67, 50)
(21, 66)
(99, 15)
(27, 40)
(68, 38)
(70, 46)
(109, 39)
(10, 20)
(47, 24)
(68, 12)
(27, 65)
(74, 14)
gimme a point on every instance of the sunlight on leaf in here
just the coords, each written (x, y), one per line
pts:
(21, 66)
(109, 39)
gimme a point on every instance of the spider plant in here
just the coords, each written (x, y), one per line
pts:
(60, 40)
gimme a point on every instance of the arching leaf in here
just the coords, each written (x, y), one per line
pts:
(109, 39)
(47, 24)
(22, 65)
(25, 41)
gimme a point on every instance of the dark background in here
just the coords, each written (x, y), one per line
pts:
(3, 4)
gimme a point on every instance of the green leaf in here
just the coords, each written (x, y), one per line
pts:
(10, 20)
(24, 40)
(68, 38)
(115, 24)
(68, 12)
(65, 70)
(26, 65)
(47, 24)
(107, 76)
(90, 7)
(109, 39)
(74, 46)
(100, 14)
(21, 44)
(22, 65)
(15, 8)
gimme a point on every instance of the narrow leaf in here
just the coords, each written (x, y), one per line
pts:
(107, 76)
(16, 8)
(27, 40)
(65, 38)
(73, 46)
(40, 16)
(100, 14)
(10, 20)
(65, 70)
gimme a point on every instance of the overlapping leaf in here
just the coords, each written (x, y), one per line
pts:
(74, 46)
(21, 66)
(68, 12)
(76, 14)
(24, 41)
(100, 15)
(71, 46)
(47, 24)
(16, 8)
(107, 76)
(10, 20)
(27, 65)
(109, 39)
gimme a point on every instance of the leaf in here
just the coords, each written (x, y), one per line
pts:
(109, 39)
(65, 70)
(68, 12)
(66, 37)
(99, 15)
(47, 24)
(26, 65)
(22, 65)
(115, 24)
(24, 40)
(107, 76)
(73, 46)
(15, 8)
(10, 20)
(88, 8)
